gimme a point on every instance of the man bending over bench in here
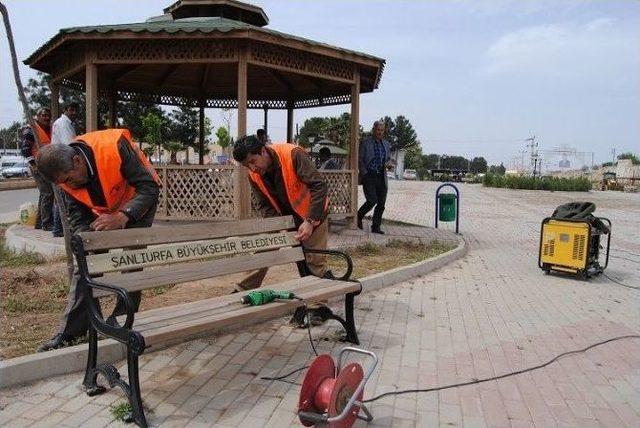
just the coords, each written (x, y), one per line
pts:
(109, 184)
(287, 183)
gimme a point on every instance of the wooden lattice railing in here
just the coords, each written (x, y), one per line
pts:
(206, 193)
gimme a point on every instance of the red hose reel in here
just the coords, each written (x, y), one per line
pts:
(332, 396)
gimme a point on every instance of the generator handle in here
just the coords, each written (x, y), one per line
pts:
(606, 260)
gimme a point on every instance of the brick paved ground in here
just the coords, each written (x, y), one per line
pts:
(489, 313)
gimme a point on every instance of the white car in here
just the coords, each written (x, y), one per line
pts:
(15, 169)
(410, 174)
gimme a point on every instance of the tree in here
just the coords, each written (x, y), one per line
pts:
(413, 157)
(312, 128)
(629, 155)
(9, 135)
(152, 124)
(223, 138)
(497, 169)
(403, 136)
(336, 129)
(183, 128)
(39, 95)
(132, 114)
(478, 165)
(431, 161)
(453, 162)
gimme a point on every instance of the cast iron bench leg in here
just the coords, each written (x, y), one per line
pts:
(91, 374)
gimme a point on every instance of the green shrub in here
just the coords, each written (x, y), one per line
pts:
(580, 184)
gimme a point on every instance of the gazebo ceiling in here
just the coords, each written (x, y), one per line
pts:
(192, 52)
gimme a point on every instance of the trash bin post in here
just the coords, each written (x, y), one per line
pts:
(448, 204)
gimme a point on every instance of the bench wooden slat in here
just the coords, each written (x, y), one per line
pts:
(168, 275)
(191, 232)
(183, 330)
(214, 306)
(188, 251)
(213, 303)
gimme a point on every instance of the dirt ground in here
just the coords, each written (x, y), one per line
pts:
(33, 292)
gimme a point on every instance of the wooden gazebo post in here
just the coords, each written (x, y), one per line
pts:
(201, 134)
(290, 121)
(55, 100)
(355, 139)
(91, 93)
(241, 178)
(113, 102)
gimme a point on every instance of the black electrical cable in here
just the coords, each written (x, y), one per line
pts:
(620, 283)
(282, 378)
(476, 381)
(306, 310)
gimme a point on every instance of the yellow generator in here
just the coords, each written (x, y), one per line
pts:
(572, 245)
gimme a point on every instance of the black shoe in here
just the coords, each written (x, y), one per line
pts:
(359, 223)
(56, 342)
(112, 321)
(320, 315)
(47, 228)
(329, 275)
(377, 230)
(299, 318)
(58, 234)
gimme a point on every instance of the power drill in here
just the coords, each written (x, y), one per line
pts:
(261, 297)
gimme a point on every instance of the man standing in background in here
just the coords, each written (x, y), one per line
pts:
(29, 149)
(63, 131)
(374, 154)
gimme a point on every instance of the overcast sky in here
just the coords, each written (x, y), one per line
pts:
(475, 78)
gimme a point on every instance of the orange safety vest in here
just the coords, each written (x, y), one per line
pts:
(43, 136)
(297, 192)
(117, 191)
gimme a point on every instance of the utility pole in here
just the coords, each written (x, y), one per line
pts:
(533, 146)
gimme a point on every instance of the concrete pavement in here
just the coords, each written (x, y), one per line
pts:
(489, 313)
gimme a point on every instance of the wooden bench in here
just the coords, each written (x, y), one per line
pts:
(173, 255)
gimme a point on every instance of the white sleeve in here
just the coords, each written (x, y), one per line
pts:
(63, 132)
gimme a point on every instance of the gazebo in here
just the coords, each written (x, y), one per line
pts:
(211, 54)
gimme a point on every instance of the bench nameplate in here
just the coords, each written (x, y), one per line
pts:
(187, 251)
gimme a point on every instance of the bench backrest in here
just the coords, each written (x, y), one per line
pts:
(175, 254)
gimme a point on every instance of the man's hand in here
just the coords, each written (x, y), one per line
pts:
(110, 221)
(304, 231)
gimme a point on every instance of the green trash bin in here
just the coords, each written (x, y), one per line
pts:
(447, 206)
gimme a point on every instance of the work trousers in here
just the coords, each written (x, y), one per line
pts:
(44, 217)
(75, 322)
(374, 187)
(317, 263)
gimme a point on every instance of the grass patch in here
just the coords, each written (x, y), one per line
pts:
(120, 410)
(370, 258)
(579, 184)
(10, 258)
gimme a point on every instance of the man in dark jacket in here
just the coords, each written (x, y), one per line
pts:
(82, 174)
(373, 156)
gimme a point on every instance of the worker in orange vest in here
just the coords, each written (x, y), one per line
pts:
(287, 183)
(29, 149)
(109, 184)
